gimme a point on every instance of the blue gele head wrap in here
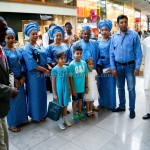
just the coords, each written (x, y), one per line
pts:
(11, 31)
(31, 27)
(105, 23)
(86, 28)
(54, 29)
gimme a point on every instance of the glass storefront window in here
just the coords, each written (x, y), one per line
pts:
(143, 22)
(137, 20)
(114, 9)
(89, 13)
(129, 12)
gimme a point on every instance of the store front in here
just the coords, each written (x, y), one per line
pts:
(144, 22)
(89, 13)
(18, 20)
(114, 9)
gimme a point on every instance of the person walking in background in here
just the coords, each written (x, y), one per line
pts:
(60, 86)
(6, 91)
(106, 82)
(125, 61)
(18, 108)
(46, 39)
(79, 82)
(70, 37)
(92, 94)
(35, 60)
(146, 55)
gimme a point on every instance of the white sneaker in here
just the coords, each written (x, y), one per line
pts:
(66, 122)
(60, 124)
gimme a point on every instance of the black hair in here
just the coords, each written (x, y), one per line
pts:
(77, 48)
(52, 24)
(68, 23)
(88, 59)
(121, 17)
(58, 54)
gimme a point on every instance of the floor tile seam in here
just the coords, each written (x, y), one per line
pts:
(73, 144)
(106, 130)
(41, 142)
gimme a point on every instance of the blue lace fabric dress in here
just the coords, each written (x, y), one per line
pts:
(35, 81)
(106, 82)
(62, 85)
(18, 107)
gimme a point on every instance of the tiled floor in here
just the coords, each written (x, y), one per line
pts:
(107, 131)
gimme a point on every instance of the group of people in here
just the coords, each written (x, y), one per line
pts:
(88, 69)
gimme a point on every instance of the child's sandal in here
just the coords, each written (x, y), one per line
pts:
(89, 114)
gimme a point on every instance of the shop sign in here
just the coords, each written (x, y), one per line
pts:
(46, 17)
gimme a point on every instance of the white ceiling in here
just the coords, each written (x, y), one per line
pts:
(142, 5)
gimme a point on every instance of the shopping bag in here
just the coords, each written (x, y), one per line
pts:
(54, 111)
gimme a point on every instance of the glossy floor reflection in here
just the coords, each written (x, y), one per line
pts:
(107, 131)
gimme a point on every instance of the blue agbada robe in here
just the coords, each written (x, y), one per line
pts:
(52, 49)
(18, 107)
(90, 49)
(35, 82)
(106, 83)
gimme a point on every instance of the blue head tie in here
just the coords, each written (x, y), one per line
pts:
(54, 29)
(30, 27)
(86, 28)
(11, 31)
(105, 23)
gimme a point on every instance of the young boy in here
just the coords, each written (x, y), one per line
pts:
(78, 81)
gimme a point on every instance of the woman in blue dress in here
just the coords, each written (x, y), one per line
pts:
(35, 60)
(18, 106)
(106, 82)
(57, 34)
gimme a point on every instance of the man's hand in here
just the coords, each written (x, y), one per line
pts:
(14, 93)
(98, 69)
(136, 72)
(114, 73)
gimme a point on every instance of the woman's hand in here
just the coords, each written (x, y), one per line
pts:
(109, 71)
(22, 81)
(17, 84)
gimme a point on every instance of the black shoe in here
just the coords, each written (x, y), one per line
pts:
(118, 109)
(147, 116)
(132, 114)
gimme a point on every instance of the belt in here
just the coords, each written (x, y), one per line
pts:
(127, 63)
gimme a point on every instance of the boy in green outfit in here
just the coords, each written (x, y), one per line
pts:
(79, 82)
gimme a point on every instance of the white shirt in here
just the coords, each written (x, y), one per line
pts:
(146, 55)
(45, 39)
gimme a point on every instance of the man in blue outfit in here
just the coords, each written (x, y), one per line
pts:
(125, 61)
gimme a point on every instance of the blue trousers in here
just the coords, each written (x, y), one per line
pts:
(126, 72)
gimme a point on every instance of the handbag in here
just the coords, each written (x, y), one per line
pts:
(54, 111)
